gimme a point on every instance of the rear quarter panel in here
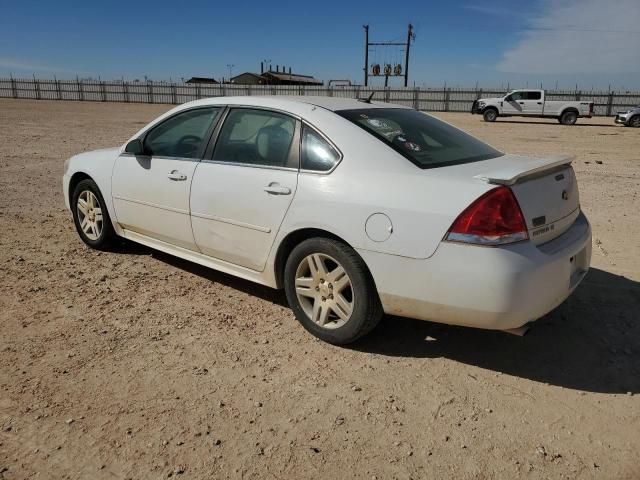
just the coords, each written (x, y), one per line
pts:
(373, 178)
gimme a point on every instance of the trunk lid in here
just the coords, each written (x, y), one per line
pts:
(545, 188)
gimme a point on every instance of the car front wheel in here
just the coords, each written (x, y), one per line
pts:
(634, 121)
(331, 291)
(91, 217)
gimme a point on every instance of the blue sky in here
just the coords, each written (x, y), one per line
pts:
(588, 42)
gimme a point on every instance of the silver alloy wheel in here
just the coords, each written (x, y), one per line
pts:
(89, 214)
(324, 291)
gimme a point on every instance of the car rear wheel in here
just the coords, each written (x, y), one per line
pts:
(634, 121)
(91, 217)
(569, 118)
(330, 291)
(490, 115)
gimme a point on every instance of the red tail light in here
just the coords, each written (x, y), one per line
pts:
(493, 219)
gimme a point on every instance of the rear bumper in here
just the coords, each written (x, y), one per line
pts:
(483, 287)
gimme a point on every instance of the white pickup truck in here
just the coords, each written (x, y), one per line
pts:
(531, 103)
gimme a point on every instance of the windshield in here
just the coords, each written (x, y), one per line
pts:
(422, 139)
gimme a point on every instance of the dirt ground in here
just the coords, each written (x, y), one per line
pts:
(134, 364)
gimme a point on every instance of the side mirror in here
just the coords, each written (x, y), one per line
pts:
(135, 147)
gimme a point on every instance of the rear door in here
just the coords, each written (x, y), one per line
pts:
(151, 191)
(242, 190)
(532, 102)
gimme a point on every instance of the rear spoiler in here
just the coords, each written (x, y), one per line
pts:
(521, 167)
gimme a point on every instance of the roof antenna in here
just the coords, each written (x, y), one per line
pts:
(368, 99)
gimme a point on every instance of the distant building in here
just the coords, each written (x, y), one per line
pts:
(201, 80)
(276, 77)
(281, 78)
(248, 78)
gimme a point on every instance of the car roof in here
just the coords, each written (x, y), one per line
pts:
(293, 103)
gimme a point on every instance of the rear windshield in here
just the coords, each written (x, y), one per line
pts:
(424, 140)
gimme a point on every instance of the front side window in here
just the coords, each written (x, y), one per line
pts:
(422, 139)
(515, 96)
(317, 154)
(181, 135)
(256, 137)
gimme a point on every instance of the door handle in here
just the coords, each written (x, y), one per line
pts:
(539, 103)
(275, 188)
(521, 103)
(176, 176)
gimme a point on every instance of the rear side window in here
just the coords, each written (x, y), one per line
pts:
(422, 139)
(181, 135)
(532, 96)
(256, 137)
(317, 154)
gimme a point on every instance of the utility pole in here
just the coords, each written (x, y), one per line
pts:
(366, 55)
(230, 67)
(406, 58)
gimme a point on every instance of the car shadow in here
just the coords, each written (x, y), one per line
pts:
(261, 291)
(591, 342)
(577, 124)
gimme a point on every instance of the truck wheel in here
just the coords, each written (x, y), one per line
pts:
(490, 115)
(634, 121)
(569, 118)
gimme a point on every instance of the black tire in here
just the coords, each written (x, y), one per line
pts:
(634, 121)
(367, 309)
(107, 235)
(569, 117)
(490, 115)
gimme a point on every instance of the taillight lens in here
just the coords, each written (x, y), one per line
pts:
(493, 219)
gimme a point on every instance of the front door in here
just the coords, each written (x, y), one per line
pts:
(240, 195)
(151, 191)
(513, 104)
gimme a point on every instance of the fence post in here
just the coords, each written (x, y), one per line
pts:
(103, 91)
(446, 99)
(80, 90)
(58, 89)
(416, 94)
(125, 88)
(174, 94)
(150, 91)
(197, 91)
(387, 94)
(14, 89)
(37, 84)
(609, 104)
(578, 94)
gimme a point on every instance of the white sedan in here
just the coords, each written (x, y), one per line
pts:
(355, 208)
